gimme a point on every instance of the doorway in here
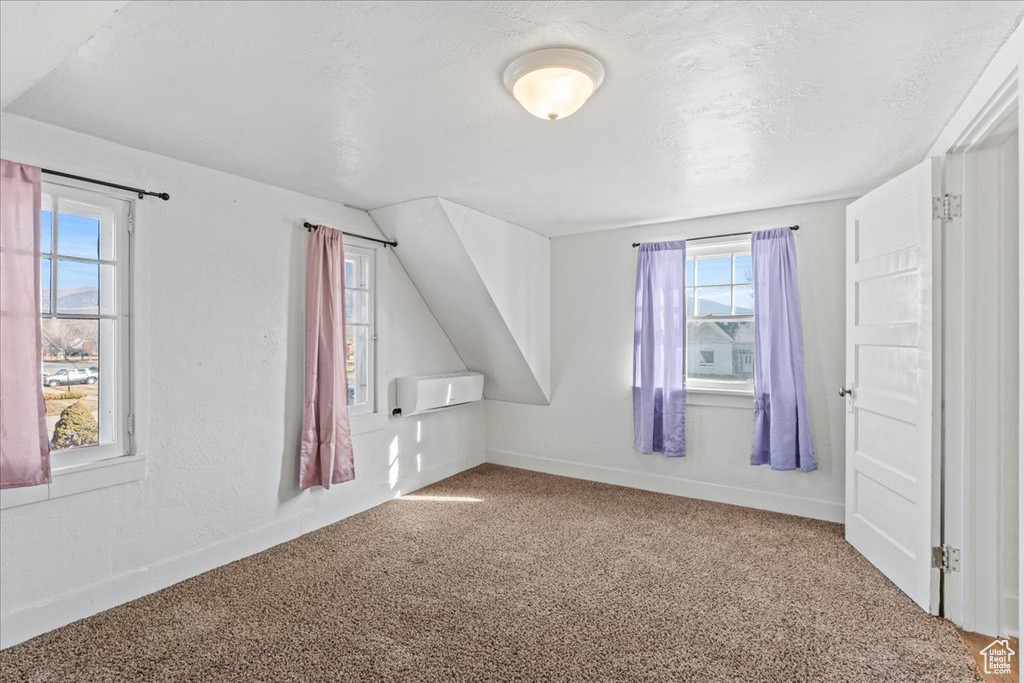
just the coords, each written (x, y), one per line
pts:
(936, 358)
(981, 381)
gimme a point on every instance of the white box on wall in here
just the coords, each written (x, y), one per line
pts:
(424, 393)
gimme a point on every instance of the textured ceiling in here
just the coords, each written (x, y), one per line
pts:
(36, 37)
(706, 108)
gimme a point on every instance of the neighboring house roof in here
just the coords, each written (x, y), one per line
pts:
(723, 331)
(711, 332)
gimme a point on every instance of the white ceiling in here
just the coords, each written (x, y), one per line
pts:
(706, 108)
(36, 37)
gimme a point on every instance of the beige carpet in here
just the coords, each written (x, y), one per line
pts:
(505, 575)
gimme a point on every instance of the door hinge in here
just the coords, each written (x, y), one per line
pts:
(946, 558)
(131, 425)
(947, 207)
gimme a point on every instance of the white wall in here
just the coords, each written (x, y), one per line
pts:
(515, 265)
(490, 292)
(587, 429)
(219, 339)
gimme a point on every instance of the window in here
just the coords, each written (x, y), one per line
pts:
(720, 317)
(84, 294)
(359, 329)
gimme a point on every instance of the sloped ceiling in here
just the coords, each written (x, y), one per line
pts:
(488, 284)
(707, 107)
(36, 37)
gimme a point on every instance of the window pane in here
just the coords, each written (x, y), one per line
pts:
(714, 271)
(744, 269)
(720, 350)
(357, 271)
(713, 300)
(743, 300)
(78, 287)
(44, 285)
(78, 236)
(689, 272)
(71, 358)
(45, 231)
(357, 359)
(356, 307)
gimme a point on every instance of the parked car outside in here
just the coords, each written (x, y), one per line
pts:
(69, 376)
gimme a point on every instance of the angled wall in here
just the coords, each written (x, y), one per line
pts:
(218, 430)
(487, 282)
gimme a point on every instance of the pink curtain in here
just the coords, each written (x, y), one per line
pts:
(24, 443)
(326, 455)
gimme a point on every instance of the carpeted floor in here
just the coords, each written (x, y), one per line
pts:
(500, 574)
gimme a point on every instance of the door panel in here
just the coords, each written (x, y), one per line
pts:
(892, 367)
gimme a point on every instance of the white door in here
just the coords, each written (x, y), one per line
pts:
(892, 366)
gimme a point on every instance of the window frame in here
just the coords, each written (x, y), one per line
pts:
(74, 473)
(710, 249)
(369, 407)
(119, 370)
(373, 415)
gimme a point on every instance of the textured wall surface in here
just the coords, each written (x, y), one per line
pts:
(707, 107)
(219, 339)
(587, 430)
(487, 282)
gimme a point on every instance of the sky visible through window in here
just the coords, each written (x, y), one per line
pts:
(71, 347)
(719, 308)
(723, 286)
(79, 237)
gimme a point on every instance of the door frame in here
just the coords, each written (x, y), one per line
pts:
(986, 108)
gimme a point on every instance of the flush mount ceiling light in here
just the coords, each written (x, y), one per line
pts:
(553, 83)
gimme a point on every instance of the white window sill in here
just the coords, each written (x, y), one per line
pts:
(67, 481)
(720, 398)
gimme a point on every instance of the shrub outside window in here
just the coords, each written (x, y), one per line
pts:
(85, 296)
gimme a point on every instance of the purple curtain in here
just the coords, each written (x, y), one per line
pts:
(659, 349)
(782, 434)
(24, 443)
(326, 454)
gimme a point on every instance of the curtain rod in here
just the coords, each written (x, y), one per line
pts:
(715, 237)
(142, 193)
(310, 227)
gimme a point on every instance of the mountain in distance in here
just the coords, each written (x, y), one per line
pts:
(75, 299)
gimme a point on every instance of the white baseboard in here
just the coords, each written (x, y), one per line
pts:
(688, 488)
(32, 621)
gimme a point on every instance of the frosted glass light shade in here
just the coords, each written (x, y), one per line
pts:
(553, 93)
(552, 84)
